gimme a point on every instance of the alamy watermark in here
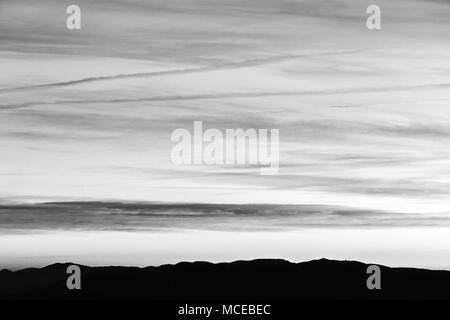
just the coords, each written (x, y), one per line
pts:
(229, 147)
(374, 280)
(74, 280)
(373, 21)
(73, 21)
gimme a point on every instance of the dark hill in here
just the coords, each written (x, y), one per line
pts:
(257, 279)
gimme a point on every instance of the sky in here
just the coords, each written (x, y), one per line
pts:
(363, 115)
(87, 115)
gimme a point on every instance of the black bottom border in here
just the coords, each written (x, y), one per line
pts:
(278, 309)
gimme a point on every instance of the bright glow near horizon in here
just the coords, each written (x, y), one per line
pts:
(395, 247)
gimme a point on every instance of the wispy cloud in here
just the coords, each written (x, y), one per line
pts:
(363, 116)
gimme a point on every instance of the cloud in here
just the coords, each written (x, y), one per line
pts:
(363, 116)
(233, 95)
(123, 216)
(218, 67)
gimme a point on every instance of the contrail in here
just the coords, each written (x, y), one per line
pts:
(230, 95)
(223, 66)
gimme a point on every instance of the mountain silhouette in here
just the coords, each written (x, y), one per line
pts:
(257, 279)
